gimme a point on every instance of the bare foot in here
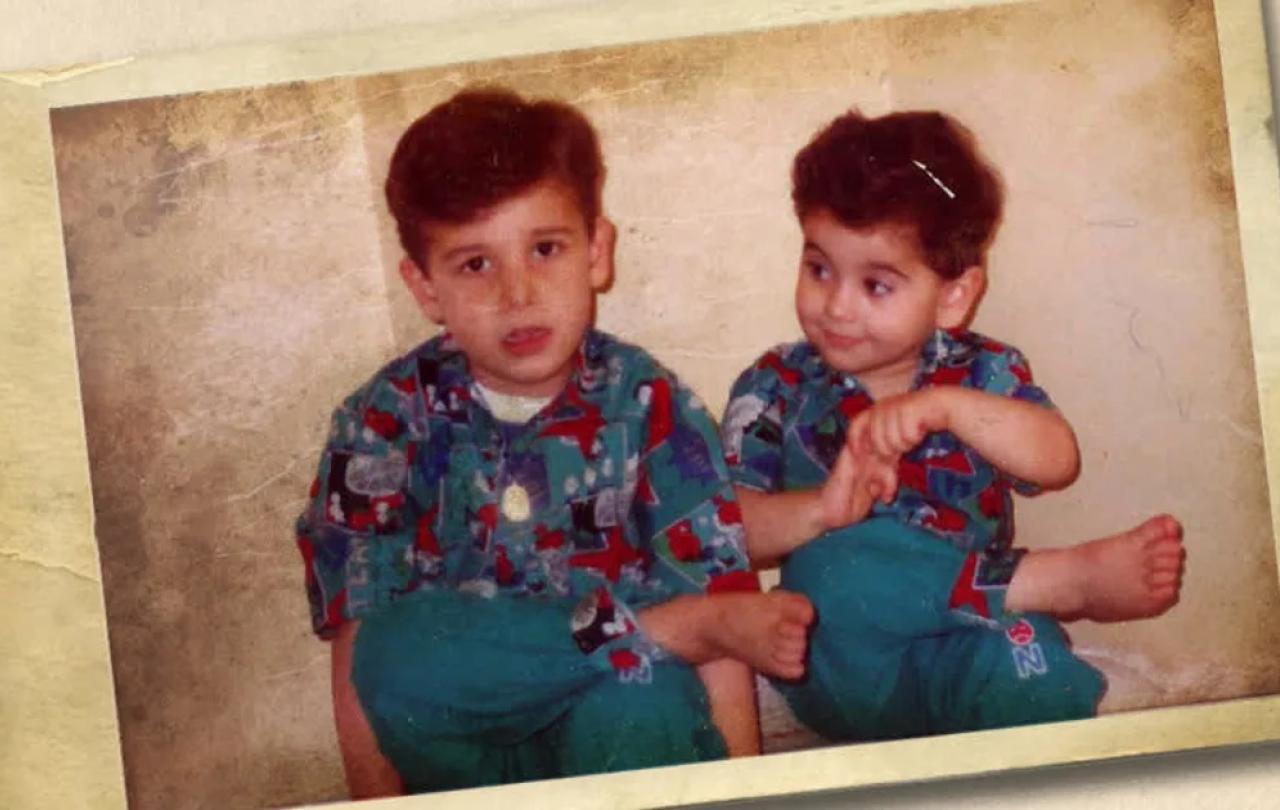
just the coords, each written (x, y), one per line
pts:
(1136, 574)
(766, 631)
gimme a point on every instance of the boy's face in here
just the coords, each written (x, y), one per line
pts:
(516, 286)
(867, 300)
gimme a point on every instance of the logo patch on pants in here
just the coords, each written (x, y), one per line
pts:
(1021, 633)
(1029, 660)
(1028, 656)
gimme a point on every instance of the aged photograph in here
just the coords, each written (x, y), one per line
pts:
(662, 403)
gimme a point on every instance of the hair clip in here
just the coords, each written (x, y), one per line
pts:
(935, 179)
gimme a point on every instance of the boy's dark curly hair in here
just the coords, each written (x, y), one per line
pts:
(921, 169)
(481, 147)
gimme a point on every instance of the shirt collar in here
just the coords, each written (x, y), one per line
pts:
(586, 378)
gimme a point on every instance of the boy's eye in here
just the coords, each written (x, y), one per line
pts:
(546, 248)
(818, 270)
(476, 264)
(877, 288)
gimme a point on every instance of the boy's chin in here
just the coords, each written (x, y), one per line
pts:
(534, 380)
(842, 362)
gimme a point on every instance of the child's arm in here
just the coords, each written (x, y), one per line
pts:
(1028, 442)
(731, 691)
(1023, 440)
(369, 774)
(779, 523)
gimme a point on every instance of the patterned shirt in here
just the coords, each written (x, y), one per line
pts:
(786, 422)
(615, 494)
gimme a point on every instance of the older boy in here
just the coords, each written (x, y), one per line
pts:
(523, 516)
(891, 407)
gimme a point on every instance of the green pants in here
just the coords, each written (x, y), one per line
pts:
(889, 659)
(463, 691)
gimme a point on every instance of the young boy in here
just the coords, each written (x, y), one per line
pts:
(522, 534)
(891, 407)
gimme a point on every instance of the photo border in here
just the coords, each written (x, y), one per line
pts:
(49, 557)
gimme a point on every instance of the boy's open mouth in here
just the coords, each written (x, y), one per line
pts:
(526, 340)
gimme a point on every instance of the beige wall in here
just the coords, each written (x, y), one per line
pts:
(232, 276)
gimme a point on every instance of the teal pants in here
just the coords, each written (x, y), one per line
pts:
(463, 691)
(889, 659)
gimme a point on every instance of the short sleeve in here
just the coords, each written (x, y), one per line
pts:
(751, 431)
(1006, 373)
(364, 538)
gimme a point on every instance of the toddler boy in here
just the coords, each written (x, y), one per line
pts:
(928, 620)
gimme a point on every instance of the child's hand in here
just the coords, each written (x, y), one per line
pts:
(859, 478)
(898, 424)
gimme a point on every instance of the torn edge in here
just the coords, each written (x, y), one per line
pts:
(42, 77)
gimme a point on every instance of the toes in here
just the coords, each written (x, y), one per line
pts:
(788, 669)
(1165, 598)
(1170, 525)
(1161, 530)
(1150, 529)
(1162, 579)
(795, 608)
(792, 631)
(1168, 562)
(1167, 580)
(1164, 547)
(792, 657)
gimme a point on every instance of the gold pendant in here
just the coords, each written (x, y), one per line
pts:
(515, 503)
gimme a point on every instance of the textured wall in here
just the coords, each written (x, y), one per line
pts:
(225, 288)
(232, 275)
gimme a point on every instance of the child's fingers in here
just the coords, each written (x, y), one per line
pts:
(888, 431)
(904, 430)
(842, 474)
(887, 482)
(855, 435)
(882, 441)
(859, 504)
(913, 428)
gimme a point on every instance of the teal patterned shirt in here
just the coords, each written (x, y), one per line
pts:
(787, 417)
(615, 495)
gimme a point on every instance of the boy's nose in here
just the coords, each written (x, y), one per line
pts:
(517, 285)
(842, 303)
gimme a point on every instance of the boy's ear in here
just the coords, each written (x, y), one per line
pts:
(960, 296)
(604, 238)
(422, 288)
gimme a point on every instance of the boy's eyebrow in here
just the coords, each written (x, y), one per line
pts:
(885, 267)
(874, 266)
(552, 230)
(460, 249)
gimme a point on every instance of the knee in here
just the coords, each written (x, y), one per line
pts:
(1059, 685)
(617, 726)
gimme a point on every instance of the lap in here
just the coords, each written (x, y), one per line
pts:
(462, 691)
(617, 726)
